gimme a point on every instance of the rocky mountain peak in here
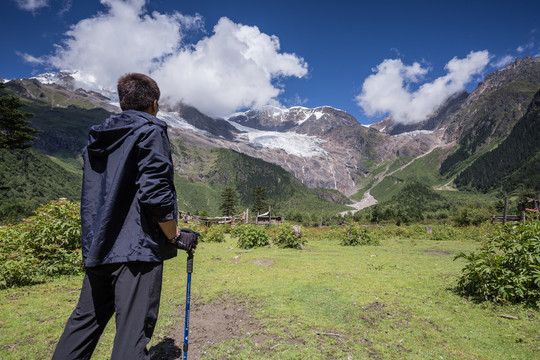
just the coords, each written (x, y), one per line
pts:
(64, 78)
(277, 119)
(526, 69)
(494, 107)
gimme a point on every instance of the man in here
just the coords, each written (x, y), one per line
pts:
(128, 218)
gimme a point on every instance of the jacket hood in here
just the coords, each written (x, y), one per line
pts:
(106, 137)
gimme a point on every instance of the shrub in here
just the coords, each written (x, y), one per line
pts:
(45, 245)
(227, 228)
(471, 216)
(444, 232)
(287, 238)
(327, 234)
(200, 228)
(355, 235)
(404, 232)
(506, 268)
(250, 236)
(216, 234)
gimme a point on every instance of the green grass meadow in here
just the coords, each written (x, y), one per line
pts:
(393, 301)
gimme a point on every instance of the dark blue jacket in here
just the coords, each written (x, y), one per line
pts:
(127, 188)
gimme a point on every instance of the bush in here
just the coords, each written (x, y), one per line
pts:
(326, 234)
(200, 228)
(45, 245)
(287, 238)
(216, 234)
(250, 236)
(355, 235)
(506, 268)
(444, 232)
(227, 228)
(471, 216)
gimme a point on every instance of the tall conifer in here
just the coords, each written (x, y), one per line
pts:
(15, 130)
(229, 201)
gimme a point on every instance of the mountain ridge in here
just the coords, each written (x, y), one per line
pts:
(326, 147)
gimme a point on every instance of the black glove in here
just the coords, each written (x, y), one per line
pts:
(186, 239)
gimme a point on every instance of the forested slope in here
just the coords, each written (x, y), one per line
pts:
(514, 163)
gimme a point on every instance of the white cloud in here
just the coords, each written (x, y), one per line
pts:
(387, 91)
(122, 40)
(31, 59)
(31, 5)
(502, 62)
(232, 69)
(522, 48)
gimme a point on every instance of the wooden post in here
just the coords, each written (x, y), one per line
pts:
(269, 216)
(505, 209)
(247, 216)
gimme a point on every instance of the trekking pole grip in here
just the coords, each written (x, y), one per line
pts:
(190, 263)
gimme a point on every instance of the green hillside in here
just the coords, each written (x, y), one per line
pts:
(423, 170)
(46, 178)
(514, 163)
(64, 129)
(491, 122)
(64, 117)
(218, 168)
(29, 179)
(195, 197)
(419, 192)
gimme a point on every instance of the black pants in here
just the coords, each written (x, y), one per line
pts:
(132, 291)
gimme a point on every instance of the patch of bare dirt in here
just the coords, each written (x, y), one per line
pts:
(211, 323)
(262, 261)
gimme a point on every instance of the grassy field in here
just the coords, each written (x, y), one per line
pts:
(393, 301)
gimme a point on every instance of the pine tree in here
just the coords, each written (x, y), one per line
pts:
(375, 214)
(259, 195)
(15, 132)
(229, 201)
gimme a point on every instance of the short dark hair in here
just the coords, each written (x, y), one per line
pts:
(137, 92)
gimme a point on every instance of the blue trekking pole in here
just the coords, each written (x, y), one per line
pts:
(188, 295)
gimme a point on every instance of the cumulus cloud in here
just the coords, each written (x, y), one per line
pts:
(31, 5)
(230, 70)
(234, 68)
(388, 90)
(122, 40)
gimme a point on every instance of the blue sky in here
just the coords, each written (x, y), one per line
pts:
(371, 59)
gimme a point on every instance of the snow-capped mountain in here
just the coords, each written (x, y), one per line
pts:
(327, 147)
(274, 118)
(323, 147)
(65, 78)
